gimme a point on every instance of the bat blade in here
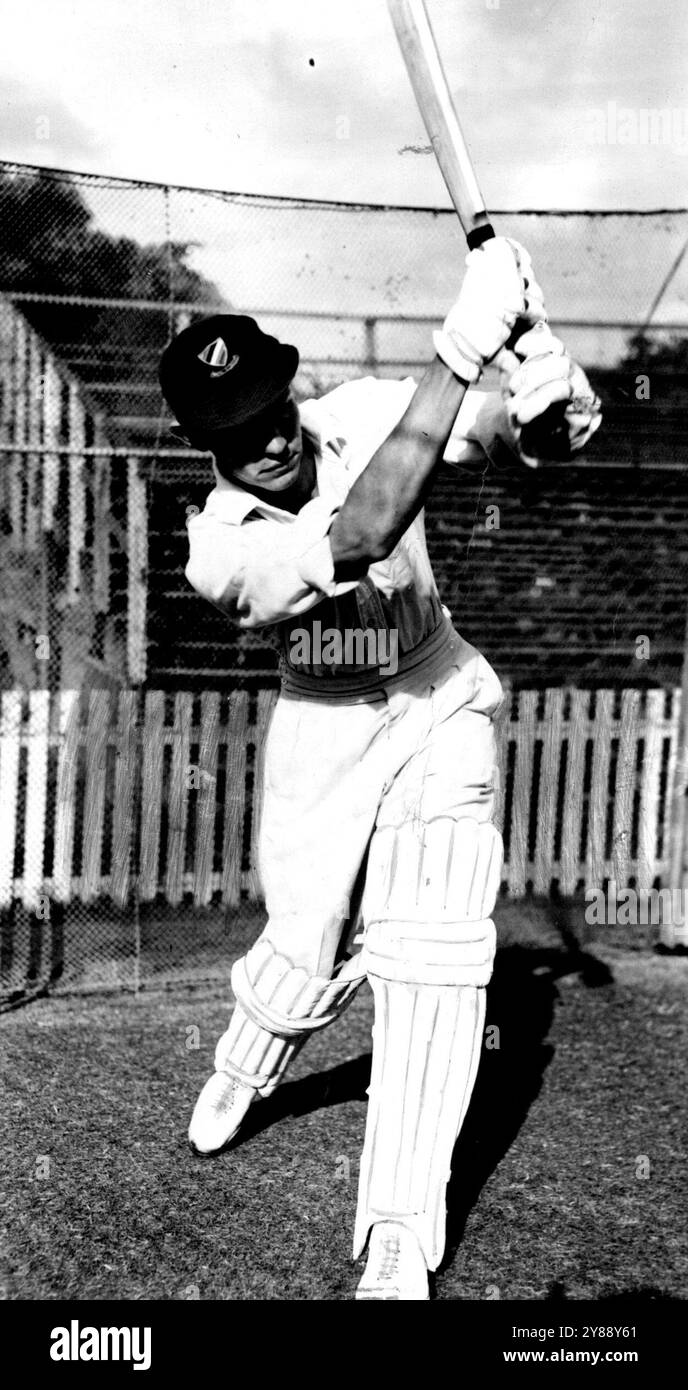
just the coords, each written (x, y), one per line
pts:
(434, 101)
(424, 66)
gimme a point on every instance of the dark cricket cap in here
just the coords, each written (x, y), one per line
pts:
(223, 370)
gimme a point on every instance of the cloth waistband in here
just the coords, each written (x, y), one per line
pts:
(429, 658)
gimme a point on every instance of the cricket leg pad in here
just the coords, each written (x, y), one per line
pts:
(429, 897)
(278, 1006)
(428, 952)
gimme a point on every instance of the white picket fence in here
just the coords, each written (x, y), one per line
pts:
(107, 794)
(110, 753)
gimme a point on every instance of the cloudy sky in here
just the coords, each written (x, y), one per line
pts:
(309, 98)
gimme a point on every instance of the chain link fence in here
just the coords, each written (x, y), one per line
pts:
(119, 870)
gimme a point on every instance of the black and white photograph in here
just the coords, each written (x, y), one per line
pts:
(344, 667)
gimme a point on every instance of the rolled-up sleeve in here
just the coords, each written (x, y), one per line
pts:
(264, 571)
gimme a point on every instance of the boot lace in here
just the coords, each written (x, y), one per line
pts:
(226, 1098)
(390, 1257)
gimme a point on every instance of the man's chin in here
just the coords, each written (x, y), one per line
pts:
(280, 479)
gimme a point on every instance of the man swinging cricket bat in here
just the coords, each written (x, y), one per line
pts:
(379, 787)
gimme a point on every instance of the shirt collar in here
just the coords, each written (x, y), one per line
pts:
(235, 504)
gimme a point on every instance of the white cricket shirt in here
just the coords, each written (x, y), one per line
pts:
(267, 567)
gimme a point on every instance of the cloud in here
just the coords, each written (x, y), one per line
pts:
(38, 128)
(311, 98)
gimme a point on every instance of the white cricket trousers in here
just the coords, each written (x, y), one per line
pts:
(335, 774)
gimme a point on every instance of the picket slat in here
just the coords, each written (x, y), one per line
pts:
(266, 703)
(624, 784)
(570, 868)
(123, 809)
(10, 735)
(236, 735)
(653, 737)
(674, 927)
(151, 794)
(178, 797)
(94, 793)
(548, 791)
(520, 802)
(595, 859)
(69, 737)
(207, 797)
(36, 796)
(677, 792)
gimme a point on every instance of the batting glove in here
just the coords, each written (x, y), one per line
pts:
(552, 408)
(491, 299)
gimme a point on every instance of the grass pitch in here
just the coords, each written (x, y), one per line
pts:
(568, 1178)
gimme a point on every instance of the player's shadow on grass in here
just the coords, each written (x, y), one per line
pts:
(521, 999)
(346, 1082)
(520, 1003)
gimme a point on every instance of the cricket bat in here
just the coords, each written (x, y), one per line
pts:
(424, 66)
(429, 83)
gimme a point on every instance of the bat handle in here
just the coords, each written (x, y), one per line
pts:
(479, 234)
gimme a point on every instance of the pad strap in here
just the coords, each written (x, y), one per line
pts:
(283, 1025)
(446, 953)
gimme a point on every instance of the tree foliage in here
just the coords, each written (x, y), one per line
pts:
(666, 356)
(50, 244)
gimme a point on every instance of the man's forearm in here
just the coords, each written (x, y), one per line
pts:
(392, 488)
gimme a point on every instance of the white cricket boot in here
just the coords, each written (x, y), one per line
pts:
(219, 1112)
(396, 1267)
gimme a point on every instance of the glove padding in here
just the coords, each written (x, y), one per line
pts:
(552, 408)
(534, 311)
(498, 289)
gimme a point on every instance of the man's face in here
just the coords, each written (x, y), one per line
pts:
(267, 453)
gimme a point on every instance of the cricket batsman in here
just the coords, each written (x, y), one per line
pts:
(378, 854)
